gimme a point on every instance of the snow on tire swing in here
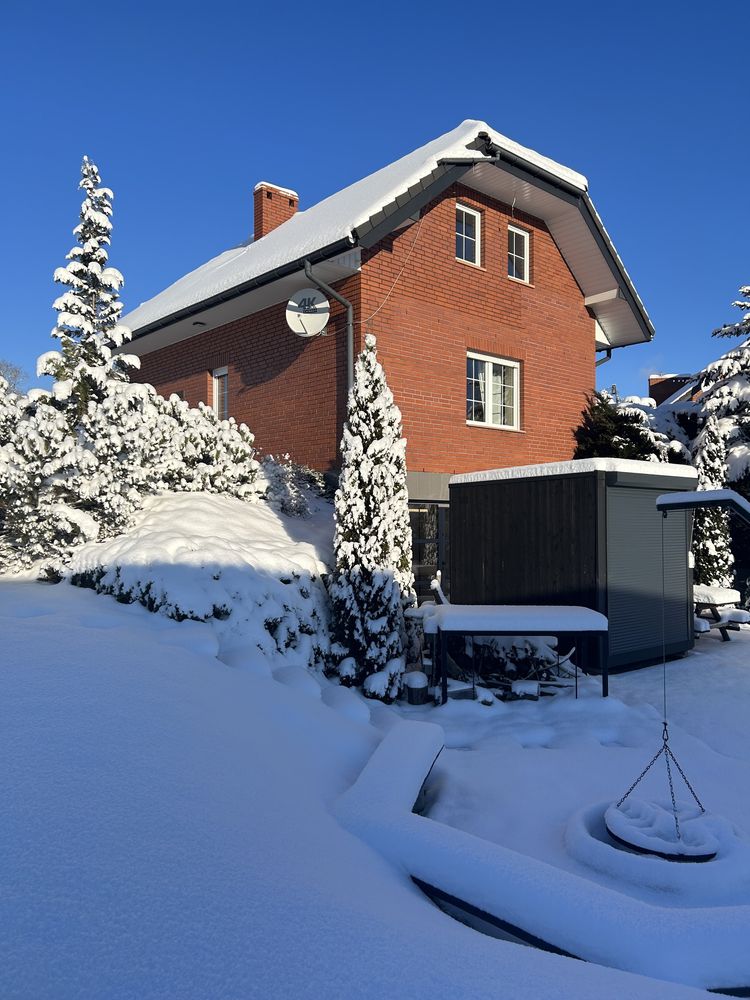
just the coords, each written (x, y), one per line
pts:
(683, 834)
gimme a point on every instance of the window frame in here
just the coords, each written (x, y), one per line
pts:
(216, 375)
(526, 280)
(515, 366)
(460, 207)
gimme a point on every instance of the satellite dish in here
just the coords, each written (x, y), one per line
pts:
(307, 312)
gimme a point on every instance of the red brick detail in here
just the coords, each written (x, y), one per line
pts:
(272, 206)
(441, 308)
(292, 392)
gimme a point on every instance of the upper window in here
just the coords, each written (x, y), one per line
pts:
(221, 392)
(518, 254)
(468, 234)
(492, 390)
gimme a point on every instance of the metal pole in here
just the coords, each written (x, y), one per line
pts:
(349, 320)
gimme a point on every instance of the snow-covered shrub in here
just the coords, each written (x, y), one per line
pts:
(289, 485)
(213, 558)
(712, 552)
(372, 582)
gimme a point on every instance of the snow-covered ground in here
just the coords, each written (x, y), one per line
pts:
(168, 831)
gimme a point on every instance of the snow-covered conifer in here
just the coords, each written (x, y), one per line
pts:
(725, 387)
(88, 312)
(9, 411)
(711, 539)
(608, 431)
(372, 582)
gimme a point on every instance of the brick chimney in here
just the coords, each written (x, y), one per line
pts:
(272, 206)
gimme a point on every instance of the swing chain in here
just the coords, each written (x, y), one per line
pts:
(642, 775)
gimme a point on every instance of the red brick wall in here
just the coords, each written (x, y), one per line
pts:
(291, 392)
(281, 386)
(441, 307)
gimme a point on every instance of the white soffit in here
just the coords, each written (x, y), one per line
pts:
(575, 241)
(251, 302)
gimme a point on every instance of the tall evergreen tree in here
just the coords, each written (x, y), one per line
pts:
(712, 551)
(609, 431)
(725, 385)
(88, 312)
(372, 582)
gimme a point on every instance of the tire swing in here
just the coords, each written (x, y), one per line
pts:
(669, 830)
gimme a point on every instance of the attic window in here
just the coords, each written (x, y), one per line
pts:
(518, 254)
(468, 235)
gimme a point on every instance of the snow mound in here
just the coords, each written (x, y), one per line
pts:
(242, 567)
(651, 826)
(347, 703)
(299, 679)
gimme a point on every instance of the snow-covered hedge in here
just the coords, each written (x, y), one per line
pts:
(214, 558)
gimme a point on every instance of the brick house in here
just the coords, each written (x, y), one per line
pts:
(482, 268)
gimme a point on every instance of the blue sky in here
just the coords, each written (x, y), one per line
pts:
(185, 107)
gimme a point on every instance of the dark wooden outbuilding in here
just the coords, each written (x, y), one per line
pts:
(583, 533)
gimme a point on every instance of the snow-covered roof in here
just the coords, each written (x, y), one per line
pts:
(340, 221)
(577, 466)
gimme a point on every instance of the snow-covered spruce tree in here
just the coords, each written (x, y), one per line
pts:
(372, 582)
(607, 431)
(88, 312)
(712, 551)
(725, 386)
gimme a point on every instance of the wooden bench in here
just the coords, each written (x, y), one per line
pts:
(442, 620)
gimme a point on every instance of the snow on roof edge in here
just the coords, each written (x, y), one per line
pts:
(332, 220)
(577, 466)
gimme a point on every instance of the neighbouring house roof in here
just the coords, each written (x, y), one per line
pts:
(330, 234)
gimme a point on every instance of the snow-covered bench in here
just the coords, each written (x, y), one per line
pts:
(720, 603)
(442, 620)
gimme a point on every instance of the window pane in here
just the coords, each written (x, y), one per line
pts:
(459, 221)
(469, 225)
(470, 251)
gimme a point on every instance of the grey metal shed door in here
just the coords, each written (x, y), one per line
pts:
(634, 571)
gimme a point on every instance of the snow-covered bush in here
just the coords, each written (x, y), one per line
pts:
(288, 485)
(372, 581)
(712, 552)
(213, 558)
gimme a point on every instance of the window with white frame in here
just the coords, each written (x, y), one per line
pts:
(468, 234)
(220, 378)
(518, 254)
(492, 391)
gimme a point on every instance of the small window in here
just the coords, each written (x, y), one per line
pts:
(518, 254)
(492, 391)
(468, 228)
(221, 393)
